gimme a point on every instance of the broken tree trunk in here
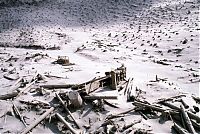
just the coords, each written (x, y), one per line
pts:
(99, 97)
(67, 124)
(75, 99)
(187, 120)
(37, 121)
(9, 95)
(62, 102)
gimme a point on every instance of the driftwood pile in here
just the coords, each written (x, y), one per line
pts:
(75, 96)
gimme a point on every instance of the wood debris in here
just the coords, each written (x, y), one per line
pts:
(74, 99)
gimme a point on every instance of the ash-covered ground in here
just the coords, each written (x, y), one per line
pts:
(152, 38)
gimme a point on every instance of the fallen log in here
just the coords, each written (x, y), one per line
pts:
(197, 99)
(57, 86)
(118, 115)
(170, 105)
(10, 78)
(26, 89)
(191, 115)
(8, 96)
(187, 120)
(171, 98)
(180, 119)
(110, 104)
(130, 125)
(183, 121)
(37, 121)
(67, 124)
(18, 114)
(184, 104)
(49, 76)
(196, 125)
(192, 104)
(16, 85)
(36, 102)
(149, 106)
(143, 115)
(99, 97)
(179, 129)
(67, 110)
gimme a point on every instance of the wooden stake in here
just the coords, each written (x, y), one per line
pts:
(37, 121)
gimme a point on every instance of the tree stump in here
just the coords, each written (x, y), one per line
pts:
(75, 99)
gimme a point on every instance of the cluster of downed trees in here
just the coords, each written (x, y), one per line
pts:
(74, 98)
(177, 109)
(183, 116)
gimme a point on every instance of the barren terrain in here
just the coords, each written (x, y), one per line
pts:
(153, 39)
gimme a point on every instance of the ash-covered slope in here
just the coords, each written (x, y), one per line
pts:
(25, 23)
